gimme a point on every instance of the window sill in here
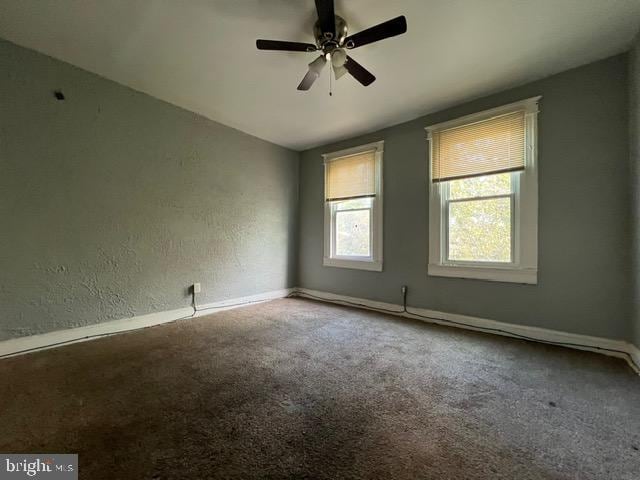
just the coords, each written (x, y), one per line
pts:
(492, 274)
(353, 264)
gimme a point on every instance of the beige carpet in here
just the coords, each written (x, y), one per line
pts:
(300, 389)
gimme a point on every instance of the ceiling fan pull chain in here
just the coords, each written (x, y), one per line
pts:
(330, 79)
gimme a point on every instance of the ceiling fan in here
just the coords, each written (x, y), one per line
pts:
(330, 32)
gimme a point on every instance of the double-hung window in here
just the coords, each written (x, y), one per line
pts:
(483, 208)
(353, 208)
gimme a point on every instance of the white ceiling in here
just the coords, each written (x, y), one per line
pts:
(201, 55)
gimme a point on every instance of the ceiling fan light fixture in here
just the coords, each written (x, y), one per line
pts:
(338, 58)
(339, 72)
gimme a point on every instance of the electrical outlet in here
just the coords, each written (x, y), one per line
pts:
(404, 289)
(196, 288)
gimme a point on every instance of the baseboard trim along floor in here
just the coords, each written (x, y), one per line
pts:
(31, 343)
(613, 348)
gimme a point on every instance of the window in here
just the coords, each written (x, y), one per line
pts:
(483, 199)
(353, 208)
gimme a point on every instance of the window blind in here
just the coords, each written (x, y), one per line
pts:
(490, 146)
(351, 177)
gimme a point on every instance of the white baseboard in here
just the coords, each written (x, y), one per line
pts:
(613, 348)
(634, 353)
(239, 302)
(31, 343)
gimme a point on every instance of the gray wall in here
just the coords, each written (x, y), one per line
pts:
(113, 202)
(584, 227)
(634, 111)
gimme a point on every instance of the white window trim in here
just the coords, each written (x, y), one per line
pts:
(373, 263)
(524, 268)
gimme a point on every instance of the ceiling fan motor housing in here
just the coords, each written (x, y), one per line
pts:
(327, 41)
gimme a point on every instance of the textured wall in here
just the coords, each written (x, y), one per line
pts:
(634, 123)
(584, 222)
(113, 202)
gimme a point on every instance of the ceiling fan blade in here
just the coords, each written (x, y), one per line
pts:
(308, 80)
(357, 71)
(326, 16)
(285, 46)
(390, 28)
(315, 68)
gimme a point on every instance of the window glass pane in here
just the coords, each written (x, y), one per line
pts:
(353, 233)
(480, 230)
(485, 186)
(356, 203)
